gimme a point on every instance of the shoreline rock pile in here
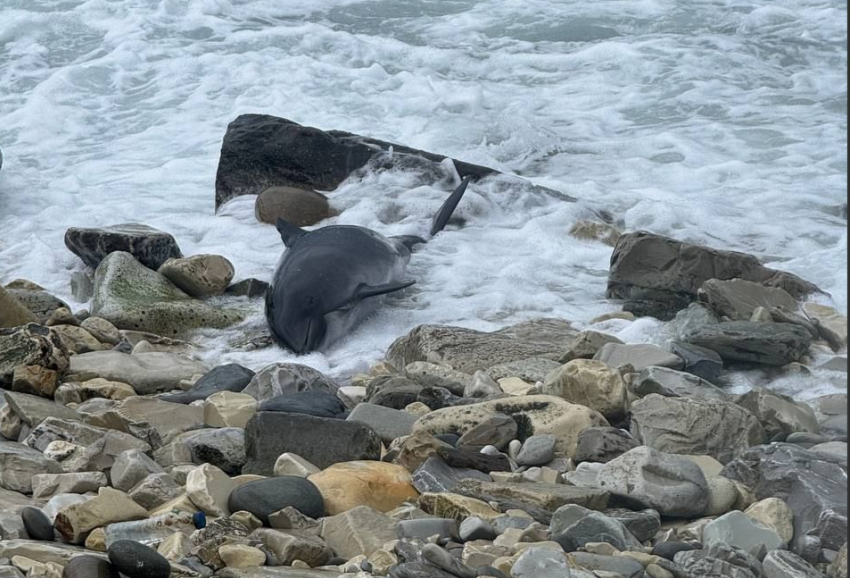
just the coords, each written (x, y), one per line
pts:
(535, 451)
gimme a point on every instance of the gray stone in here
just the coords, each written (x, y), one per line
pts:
(39, 302)
(33, 410)
(537, 451)
(291, 545)
(145, 372)
(699, 361)
(831, 529)
(741, 531)
(18, 465)
(130, 468)
(719, 559)
(474, 528)
(75, 432)
(132, 296)
(250, 288)
(573, 526)
(436, 476)
(231, 377)
(671, 383)
(288, 378)
(298, 206)
(695, 426)
(540, 563)
(587, 344)
(199, 275)
(643, 525)
(388, 423)
(748, 341)
(361, 530)
(638, 355)
(603, 444)
(423, 528)
(468, 350)
(223, 447)
(442, 559)
(779, 414)
(81, 286)
(807, 483)
(100, 456)
(497, 431)
(674, 271)
(672, 485)
(434, 375)
(737, 298)
(45, 486)
(321, 441)
(150, 246)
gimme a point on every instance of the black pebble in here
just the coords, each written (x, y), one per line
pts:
(136, 560)
(37, 524)
(669, 549)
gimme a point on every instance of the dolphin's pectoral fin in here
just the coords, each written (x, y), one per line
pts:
(364, 291)
(289, 233)
(444, 214)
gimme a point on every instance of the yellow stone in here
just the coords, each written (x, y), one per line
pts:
(456, 507)
(379, 485)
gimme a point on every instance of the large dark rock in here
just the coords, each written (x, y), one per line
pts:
(643, 524)
(261, 151)
(671, 383)
(222, 447)
(699, 361)
(136, 560)
(753, 342)
(647, 268)
(37, 524)
(315, 403)
(231, 377)
(393, 391)
(149, 246)
(321, 441)
(265, 497)
(808, 483)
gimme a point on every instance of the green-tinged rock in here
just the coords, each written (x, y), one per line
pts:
(13, 313)
(131, 296)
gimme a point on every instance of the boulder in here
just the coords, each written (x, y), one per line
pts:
(130, 468)
(209, 488)
(18, 465)
(145, 372)
(711, 427)
(356, 532)
(288, 547)
(589, 383)
(574, 526)
(650, 267)
(535, 415)
(131, 296)
(587, 344)
(261, 151)
(33, 410)
(322, 441)
(807, 483)
(228, 409)
(468, 350)
(672, 485)
(671, 383)
(199, 275)
(379, 485)
(754, 342)
(784, 564)
(779, 414)
(40, 303)
(30, 345)
(741, 531)
(150, 246)
(775, 514)
(315, 403)
(832, 325)
(298, 206)
(222, 447)
(45, 486)
(13, 313)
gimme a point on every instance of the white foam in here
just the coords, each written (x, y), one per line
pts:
(719, 123)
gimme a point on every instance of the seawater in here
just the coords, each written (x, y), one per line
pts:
(722, 123)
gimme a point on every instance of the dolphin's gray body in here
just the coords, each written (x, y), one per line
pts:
(331, 279)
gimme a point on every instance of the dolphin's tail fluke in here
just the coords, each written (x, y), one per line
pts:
(444, 214)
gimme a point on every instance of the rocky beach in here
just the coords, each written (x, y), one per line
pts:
(537, 450)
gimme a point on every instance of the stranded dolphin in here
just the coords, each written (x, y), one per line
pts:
(332, 278)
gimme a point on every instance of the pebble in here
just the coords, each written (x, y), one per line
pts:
(668, 550)
(136, 560)
(441, 558)
(89, 567)
(37, 524)
(474, 528)
(537, 451)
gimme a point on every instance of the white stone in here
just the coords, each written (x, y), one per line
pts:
(294, 465)
(209, 489)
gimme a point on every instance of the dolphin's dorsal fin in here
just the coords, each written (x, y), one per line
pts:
(444, 214)
(364, 291)
(289, 233)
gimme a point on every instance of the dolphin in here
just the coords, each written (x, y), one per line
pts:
(331, 279)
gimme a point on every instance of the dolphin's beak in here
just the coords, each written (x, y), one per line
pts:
(308, 338)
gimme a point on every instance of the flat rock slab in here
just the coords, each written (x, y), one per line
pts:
(144, 372)
(671, 383)
(435, 475)
(19, 463)
(643, 262)
(638, 355)
(321, 441)
(737, 299)
(387, 422)
(150, 246)
(469, 351)
(131, 296)
(261, 151)
(33, 410)
(753, 342)
(538, 499)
